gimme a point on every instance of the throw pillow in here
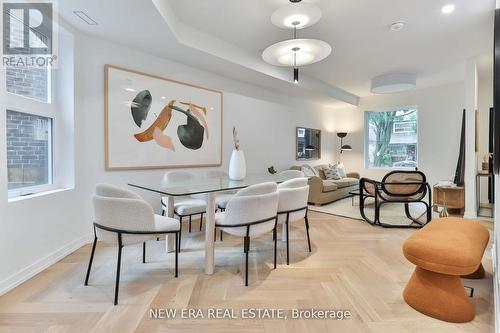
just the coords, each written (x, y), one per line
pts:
(332, 173)
(340, 168)
(308, 170)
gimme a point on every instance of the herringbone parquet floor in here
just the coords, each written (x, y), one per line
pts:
(353, 266)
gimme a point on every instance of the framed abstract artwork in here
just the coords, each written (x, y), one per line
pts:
(155, 123)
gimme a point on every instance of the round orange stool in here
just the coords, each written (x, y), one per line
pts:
(444, 250)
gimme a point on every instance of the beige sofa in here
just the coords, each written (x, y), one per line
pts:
(322, 191)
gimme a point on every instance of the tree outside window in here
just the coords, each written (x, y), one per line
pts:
(392, 139)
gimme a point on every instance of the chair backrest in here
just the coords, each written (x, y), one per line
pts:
(291, 174)
(293, 194)
(177, 177)
(108, 190)
(251, 204)
(263, 188)
(121, 209)
(416, 179)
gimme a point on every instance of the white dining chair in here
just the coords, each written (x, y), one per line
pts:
(250, 213)
(183, 207)
(124, 218)
(292, 207)
(290, 174)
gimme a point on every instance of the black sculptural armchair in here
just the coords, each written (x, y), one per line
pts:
(404, 187)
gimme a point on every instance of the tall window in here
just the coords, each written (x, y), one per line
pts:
(391, 139)
(31, 120)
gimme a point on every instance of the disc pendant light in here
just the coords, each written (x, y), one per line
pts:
(296, 52)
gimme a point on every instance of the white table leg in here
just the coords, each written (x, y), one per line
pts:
(209, 234)
(170, 213)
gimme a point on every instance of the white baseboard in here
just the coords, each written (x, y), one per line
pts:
(470, 215)
(27, 273)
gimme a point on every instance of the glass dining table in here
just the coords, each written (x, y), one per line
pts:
(209, 186)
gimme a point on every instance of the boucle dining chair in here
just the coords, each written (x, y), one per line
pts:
(251, 213)
(292, 207)
(183, 207)
(124, 218)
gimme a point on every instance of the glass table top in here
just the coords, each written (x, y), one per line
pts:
(200, 185)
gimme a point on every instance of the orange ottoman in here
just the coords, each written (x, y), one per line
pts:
(444, 250)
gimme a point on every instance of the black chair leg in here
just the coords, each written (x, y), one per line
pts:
(143, 252)
(275, 245)
(90, 261)
(190, 216)
(176, 253)
(215, 234)
(246, 249)
(201, 221)
(221, 235)
(307, 231)
(287, 246)
(180, 232)
(118, 264)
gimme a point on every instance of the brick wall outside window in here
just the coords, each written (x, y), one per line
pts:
(28, 152)
(28, 82)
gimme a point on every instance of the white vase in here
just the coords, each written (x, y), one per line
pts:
(237, 165)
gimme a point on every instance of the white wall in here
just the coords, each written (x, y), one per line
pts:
(484, 103)
(266, 129)
(439, 124)
(470, 139)
(41, 230)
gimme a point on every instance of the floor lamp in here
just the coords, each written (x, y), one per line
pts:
(343, 147)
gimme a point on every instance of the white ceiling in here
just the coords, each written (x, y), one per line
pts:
(432, 45)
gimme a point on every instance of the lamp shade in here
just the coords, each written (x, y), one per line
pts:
(296, 52)
(346, 147)
(296, 15)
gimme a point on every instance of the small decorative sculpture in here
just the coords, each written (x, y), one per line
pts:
(271, 170)
(236, 141)
(237, 164)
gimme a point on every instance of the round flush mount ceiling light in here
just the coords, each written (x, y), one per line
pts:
(393, 83)
(296, 52)
(448, 9)
(296, 15)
